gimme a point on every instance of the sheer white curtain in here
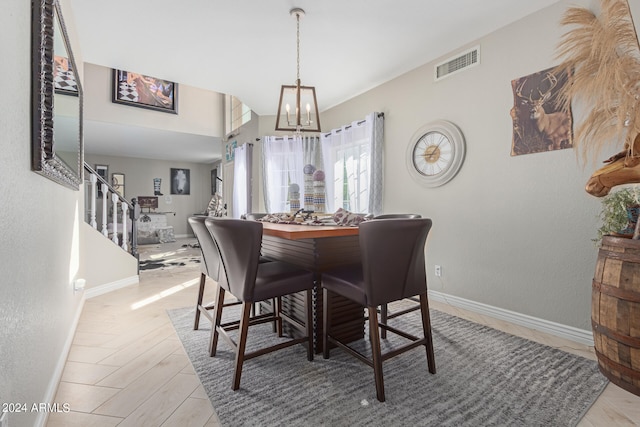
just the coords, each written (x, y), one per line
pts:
(353, 166)
(282, 165)
(242, 176)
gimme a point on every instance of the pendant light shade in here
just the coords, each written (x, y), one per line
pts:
(298, 105)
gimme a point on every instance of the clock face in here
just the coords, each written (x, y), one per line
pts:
(436, 153)
(432, 154)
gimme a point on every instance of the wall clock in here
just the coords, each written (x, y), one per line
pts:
(436, 153)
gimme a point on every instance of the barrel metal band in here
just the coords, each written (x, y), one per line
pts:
(623, 294)
(620, 256)
(617, 367)
(616, 336)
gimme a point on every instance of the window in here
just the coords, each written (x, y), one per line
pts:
(282, 166)
(353, 166)
(350, 157)
(236, 113)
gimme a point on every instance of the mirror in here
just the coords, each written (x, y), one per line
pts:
(56, 99)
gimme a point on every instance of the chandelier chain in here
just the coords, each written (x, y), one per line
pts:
(298, 44)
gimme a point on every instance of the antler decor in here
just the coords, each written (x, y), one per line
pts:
(604, 54)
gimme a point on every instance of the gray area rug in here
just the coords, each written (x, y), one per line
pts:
(484, 377)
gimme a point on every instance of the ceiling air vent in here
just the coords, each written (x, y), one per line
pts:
(458, 63)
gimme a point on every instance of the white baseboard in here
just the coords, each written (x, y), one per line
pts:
(109, 287)
(52, 389)
(569, 332)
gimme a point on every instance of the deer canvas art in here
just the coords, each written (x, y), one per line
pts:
(540, 122)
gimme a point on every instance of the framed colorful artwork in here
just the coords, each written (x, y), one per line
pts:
(64, 78)
(143, 91)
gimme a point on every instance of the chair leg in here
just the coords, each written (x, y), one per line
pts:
(309, 324)
(383, 320)
(217, 319)
(273, 309)
(374, 336)
(242, 343)
(426, 326)
(326, 321)
(203, 279)
(277, 311)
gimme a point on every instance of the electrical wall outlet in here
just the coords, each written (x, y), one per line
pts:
(438, 271)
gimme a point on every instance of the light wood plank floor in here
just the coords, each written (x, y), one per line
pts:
(127, 367)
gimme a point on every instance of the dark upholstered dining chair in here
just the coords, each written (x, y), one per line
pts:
(392, 268)
(384, 309)
(210, 267)
(242, 275)
(397, 216)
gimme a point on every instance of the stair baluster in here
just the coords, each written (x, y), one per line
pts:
(125, 226)
(94, 179)
(114, 223)
(105, 218)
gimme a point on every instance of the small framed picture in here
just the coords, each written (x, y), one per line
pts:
(103, 172)
(230, 150)
(214, 181)
(180, 181)
(117, 182)
(143, 91)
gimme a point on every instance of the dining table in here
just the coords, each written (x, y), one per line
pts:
(317, 248)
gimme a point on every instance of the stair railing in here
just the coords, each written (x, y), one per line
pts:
(101, 190)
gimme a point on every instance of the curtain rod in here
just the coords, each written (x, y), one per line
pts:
(381, 115)
(279, 138)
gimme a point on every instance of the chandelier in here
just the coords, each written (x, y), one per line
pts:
(298, 106)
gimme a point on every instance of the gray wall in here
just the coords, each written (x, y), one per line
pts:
(139, 174)
(39, 255)
(510, 232)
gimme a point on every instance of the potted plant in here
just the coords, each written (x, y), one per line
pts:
(619, 213)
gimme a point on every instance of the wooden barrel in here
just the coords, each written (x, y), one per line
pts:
(615, 311)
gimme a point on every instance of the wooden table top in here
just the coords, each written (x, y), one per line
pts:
(297, 232)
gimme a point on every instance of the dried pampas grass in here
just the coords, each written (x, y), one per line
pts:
(604, 54)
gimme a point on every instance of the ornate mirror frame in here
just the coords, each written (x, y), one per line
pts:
(46, 21)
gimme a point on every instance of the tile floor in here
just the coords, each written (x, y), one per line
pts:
(127, 367)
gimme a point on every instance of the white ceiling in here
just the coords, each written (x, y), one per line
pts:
(248, 47)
